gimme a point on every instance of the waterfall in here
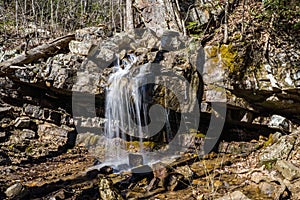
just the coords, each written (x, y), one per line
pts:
(124, 104)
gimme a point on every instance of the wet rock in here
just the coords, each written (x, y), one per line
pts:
(140, 173)
(236, 195)
(16, 191)
(135, 160)
(107, 190)
(287, 169)
(106, 170)
(153, 184)
(22, 122)
(278, 151)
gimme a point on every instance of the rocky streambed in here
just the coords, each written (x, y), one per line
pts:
(259, 169)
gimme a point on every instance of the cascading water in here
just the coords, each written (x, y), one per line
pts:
(124, 104)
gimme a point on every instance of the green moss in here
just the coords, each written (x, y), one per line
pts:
(200, 135)
(269, 141)
(269, 164)
(197, 133)
(136, 145)
(149, 144)
(229, 58)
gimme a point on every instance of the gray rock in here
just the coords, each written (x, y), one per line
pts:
(90, 33)
(135, 160)
(16, 191)
(279, 150)
(279, 122)
(33, 111)
(27, 134)
(258, 177)
(287, 169)
(81, 48)
(5, 109)
(267, 188)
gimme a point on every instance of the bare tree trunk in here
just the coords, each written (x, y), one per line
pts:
(112, 14)
(129, 16)
(225, 40)
(121, 15)
(180, 19)
(56, 13)
(52, 15)
(17, 10)
(25, 6)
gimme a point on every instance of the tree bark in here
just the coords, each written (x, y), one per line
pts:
(129, 16)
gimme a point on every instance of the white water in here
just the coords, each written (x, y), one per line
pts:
(124, 101)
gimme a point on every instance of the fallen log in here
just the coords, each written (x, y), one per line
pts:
(49, 49)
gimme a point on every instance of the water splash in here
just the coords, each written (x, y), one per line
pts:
(125, 108)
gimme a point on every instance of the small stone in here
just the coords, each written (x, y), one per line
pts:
(287, 169)
(135, 160)
(279, 122)
(267, 188)
(28, 134)
(16, 191)
(48, 83)
(22, 122)
(257, 177)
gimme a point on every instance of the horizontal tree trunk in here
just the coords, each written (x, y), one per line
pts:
(41, 51)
